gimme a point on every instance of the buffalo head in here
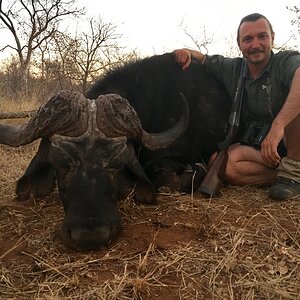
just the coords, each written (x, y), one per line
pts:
(88, 148)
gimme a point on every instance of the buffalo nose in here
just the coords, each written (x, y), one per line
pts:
(89, 236)
(84, 236)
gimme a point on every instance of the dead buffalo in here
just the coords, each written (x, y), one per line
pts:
(139, 125)
(152, 87)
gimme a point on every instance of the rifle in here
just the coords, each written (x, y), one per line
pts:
(213, 180)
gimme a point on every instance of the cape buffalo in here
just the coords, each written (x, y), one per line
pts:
(152, 87)
(138, 126)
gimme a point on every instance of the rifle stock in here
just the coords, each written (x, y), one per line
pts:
(213, 181)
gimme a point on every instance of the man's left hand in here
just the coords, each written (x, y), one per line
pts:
(269, 145)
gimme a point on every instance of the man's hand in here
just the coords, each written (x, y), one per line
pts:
(269, 145)
(183, 57)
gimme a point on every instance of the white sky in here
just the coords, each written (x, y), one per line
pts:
(153, 27)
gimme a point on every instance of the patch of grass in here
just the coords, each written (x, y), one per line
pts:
(8, 105)
(239, 246)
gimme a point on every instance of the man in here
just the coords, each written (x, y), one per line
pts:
(272, 101)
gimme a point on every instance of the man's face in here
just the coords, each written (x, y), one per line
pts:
(256, 41)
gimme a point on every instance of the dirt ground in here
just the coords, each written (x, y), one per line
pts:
(239, 246)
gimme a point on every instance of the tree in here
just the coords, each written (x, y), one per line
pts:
(96, 48)
(60, 65)
(200, 43)
(292, 41)
(32, 23)
(204, 41)
(88, 53)
(296, 21)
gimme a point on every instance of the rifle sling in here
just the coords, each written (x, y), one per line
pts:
(236, 107)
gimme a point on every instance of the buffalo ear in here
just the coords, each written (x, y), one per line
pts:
(40, 184)
(137, 180)
(23, 188)
(39, 177)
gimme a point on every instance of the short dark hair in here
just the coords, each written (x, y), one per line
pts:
(252, 18)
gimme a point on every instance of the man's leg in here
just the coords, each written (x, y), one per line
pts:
(287, 184)
(245, 166)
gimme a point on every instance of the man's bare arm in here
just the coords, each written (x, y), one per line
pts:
(289, 111)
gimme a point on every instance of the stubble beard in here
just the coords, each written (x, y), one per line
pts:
(257, 58)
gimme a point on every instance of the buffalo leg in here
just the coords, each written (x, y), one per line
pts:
(176, 176)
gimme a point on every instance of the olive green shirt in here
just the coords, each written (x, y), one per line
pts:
(265, 95)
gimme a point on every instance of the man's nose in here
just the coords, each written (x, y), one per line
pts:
(255, 43)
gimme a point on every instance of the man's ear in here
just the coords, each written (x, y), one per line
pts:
(273, 38)
(238, 42)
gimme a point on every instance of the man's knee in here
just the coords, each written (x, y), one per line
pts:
(233, 169)
(232, 173)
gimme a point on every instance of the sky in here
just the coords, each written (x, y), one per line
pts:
(157, 26)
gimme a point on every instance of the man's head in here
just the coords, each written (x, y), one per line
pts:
(255, 38)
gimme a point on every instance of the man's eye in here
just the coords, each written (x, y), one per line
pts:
(264, 36)
(247, 40)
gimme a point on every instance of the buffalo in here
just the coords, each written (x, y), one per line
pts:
(137, 128)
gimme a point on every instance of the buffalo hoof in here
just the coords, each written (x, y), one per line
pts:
(184, 181)
(192, 177)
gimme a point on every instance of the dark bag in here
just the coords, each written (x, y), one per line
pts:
(255, 134)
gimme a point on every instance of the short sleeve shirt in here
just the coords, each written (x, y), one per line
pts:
(265, 95)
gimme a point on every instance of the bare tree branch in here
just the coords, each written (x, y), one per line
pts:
(202, 43)
(32, 23)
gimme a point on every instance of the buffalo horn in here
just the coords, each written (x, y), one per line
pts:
(56, 116)
(154, 141)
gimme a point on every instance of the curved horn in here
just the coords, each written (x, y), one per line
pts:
(116, 117)
(59, 114)
(154, 141)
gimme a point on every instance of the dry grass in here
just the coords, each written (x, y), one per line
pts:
(240, 246)
(18, 105)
